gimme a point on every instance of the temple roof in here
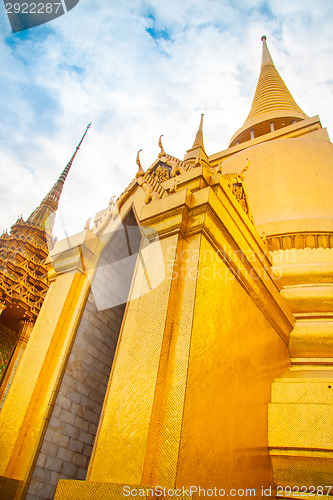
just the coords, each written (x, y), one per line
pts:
(272, 102)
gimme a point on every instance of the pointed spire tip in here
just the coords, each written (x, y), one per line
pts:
(51, 201)
(201, 122)
(198, 141)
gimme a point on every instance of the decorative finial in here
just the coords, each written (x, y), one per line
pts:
(64, 174)
(198, 159)
(201, 121)
(87, 224)
(263, 38)
(173, 188)
(246, 166)
(241, 175)
(162, 152)
(138, 162)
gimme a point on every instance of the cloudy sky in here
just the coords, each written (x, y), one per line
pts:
(137, 69)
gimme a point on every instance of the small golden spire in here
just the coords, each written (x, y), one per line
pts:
(197, 154)
(266, 57)
(138, 162)
(51, 201)
(271, 93)
(162, 152)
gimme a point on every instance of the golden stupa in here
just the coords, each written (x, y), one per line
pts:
(184, 347)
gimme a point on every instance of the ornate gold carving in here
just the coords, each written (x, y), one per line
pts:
(26, 326)
(236, 185)
(239, 193)
(173, 188)
(161, 174)
(300, 241)
(23, 275)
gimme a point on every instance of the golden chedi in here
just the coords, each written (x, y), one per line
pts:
(184, 344)
(23, 278)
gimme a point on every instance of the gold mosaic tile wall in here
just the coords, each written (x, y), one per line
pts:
(8, 340)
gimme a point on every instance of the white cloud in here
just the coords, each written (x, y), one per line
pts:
(99, 63)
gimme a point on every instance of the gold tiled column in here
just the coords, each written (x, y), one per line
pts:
(121, 442)
(29, 401)
(166, 423)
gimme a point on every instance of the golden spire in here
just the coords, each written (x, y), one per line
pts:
(266, 57)
(198, 141)
(273, 105)
(50, 203)
(198, 147)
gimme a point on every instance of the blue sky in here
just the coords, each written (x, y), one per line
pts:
(138, 69)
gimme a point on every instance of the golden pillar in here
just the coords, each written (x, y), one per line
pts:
(24, 416)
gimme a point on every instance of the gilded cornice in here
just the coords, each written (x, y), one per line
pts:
(294, 130)
(300, 240)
